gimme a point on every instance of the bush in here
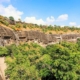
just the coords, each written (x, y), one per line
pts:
(24, 25)
(33, 62)
(11, 18)
(3, 51)
(6, 23)
(18, 25)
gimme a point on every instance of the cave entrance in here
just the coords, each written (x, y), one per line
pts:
(22, 37)
(6, 37)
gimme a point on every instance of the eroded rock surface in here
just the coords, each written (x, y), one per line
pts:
(8, 36)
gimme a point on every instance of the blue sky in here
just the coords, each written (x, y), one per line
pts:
(59, 12)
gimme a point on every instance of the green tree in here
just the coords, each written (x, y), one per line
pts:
(33, 62)
(11, 18)
(24, 25)
(3, 51)
(64, 62)
(78, 43)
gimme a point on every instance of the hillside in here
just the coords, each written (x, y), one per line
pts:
(30, 52)
(22, 26)
(17, 32)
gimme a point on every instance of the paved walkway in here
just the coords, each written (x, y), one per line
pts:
(1, 78)
(2, 67)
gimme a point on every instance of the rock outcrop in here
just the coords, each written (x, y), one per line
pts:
(8, 36)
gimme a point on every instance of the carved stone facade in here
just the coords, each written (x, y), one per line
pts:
(8, 36)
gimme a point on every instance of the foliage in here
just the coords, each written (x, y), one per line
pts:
(3, 51)
(78, 42)
(44, 28)
(30, 61)
(24, 25)
(65, 62)
(17, 25)
(11, 18)
(6, 23)
(21, 64)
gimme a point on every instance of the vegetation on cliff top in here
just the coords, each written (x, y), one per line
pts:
(19, 25)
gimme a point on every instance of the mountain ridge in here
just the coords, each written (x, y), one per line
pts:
(16, 32)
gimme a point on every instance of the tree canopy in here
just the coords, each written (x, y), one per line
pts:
(11, 18)
(30, 61)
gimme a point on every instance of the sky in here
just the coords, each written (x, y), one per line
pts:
(45, 12)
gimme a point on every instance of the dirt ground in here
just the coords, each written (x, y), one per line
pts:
(2, 67)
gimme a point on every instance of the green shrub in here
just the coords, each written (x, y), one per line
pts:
(24, 25)
(33, 62)
(17, 25)
(6, 23)
(3, 51)
(11, 18)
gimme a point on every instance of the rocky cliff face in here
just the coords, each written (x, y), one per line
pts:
(8, 36)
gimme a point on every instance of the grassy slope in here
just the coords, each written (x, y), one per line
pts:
(43, 28)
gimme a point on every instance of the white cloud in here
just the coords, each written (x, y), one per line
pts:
(72, 23)
(50, 19)
(62, 17)
(34, 20)
(78, 26)
(10, 11)
(62, 25)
